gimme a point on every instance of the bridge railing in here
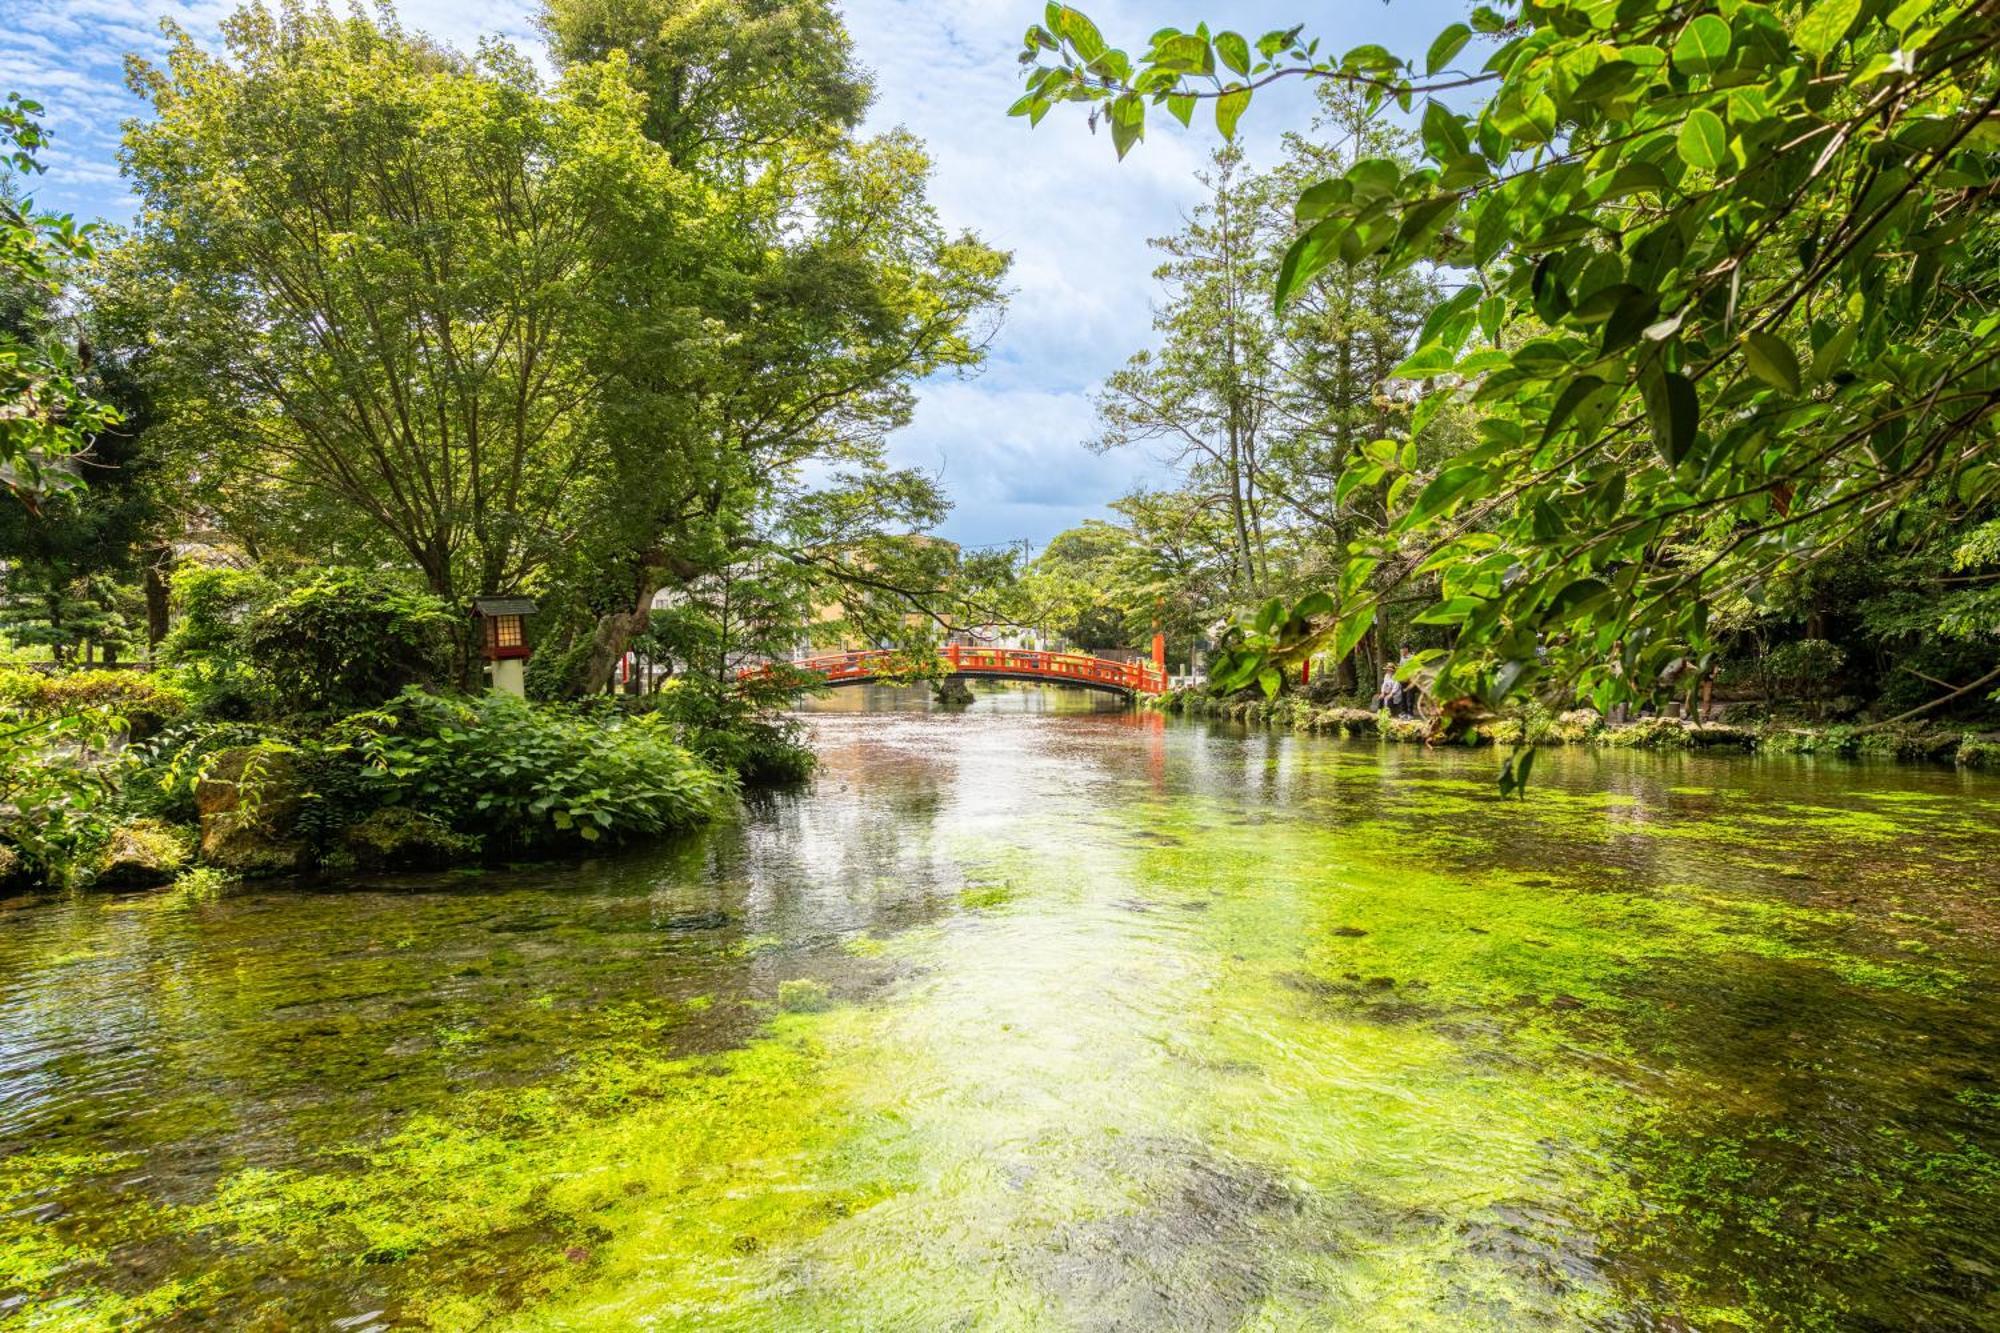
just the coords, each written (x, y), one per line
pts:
(1081, 668)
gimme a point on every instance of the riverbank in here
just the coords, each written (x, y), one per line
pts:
(1910, 744)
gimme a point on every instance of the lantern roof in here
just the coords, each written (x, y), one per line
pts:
(503, 606)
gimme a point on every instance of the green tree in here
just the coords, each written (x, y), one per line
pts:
(825, 288)
(1206, 393)
(385, 274)
(1165, 561)
(1725, 271)
(45, 415)
(727, 81)
(1262, 410)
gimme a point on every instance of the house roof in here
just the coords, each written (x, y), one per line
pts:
(504, 606)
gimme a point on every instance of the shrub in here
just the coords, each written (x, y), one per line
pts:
(759, 747)
(552, 672)
(145, 702)
(55, 790)
(349, 639)
(533, 775)
(213, 606)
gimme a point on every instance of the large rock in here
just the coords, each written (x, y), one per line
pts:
(249, 803)
(143, 854)
(16, 876)
(1352, 721)
(399, 838)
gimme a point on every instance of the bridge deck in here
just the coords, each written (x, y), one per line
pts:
(1080, 669)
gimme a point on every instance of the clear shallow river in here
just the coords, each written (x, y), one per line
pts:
(1045, 1017)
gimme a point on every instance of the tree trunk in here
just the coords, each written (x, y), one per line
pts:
(159, 592)
(608, 641)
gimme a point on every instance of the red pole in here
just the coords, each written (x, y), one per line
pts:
(1160, 655)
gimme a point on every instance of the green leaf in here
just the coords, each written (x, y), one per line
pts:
(1229, 109)
(1080, 32)
(1181, 105)
(1307, 255)
(1445, 491)
(1375, 178)
(1823, 24)
(1703, 46)
(1675, 411)
(1184, 52)
(1235, 52)
(1318, 200)
(1353, 627)
(1278, 40)
(1703, 142)
(1444, 133)
(1833, 353)
(1425, 362)
(1314, 604)
(1578, 596)
(1579, 389)
(1355, 477)
(1773, 361)
(1447, 46)
(1128, 123)
(1270, 681)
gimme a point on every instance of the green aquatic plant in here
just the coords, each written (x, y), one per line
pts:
(803, 995)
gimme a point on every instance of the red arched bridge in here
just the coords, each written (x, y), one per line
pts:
(1079, 669)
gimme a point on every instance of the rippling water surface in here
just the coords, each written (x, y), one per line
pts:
(1044, 1016)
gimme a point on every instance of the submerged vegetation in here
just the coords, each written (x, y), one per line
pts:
(1297, 1033)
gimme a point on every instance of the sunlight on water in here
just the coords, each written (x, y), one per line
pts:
(1051, 1015)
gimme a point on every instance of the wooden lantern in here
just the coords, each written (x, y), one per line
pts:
(504, 639)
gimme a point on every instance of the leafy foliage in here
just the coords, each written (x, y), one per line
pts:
(531, 775)
(144, 702)
(53, 787)
(45, 416)
(348, 639)
(1724, 273)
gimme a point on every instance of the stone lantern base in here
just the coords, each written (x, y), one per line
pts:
(510, 677)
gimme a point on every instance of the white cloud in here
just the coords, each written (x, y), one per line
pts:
(1077, 221)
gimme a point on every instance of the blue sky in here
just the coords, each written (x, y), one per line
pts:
(1009, 443)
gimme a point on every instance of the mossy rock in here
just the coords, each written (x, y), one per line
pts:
(1981, 752)
(16, 874)
(1353, 721)
(399, 838)
(249, 801)
(1650, 733)
(1577, 725)
(1403, 728)
(143, 854)
(803, 995)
